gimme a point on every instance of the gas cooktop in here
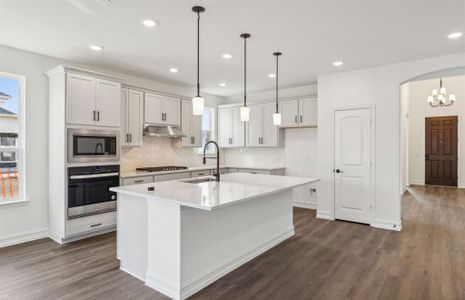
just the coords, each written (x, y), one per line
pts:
(161, 169)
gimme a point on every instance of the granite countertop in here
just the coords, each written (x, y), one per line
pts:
(232, 189)
(198, 168)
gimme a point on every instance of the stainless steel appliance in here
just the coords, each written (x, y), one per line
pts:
(161, 168)
(85, 145)
(89, 190)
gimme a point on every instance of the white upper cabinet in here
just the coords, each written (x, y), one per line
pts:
(108, 103)
(289, 113)
(92, 101)
(80, 99)
(162, 110)
(260, 129)
(131, 117)
(191, 126)
(230, 127)
(308, 112)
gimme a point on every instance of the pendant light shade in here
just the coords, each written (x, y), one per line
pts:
(198, 103)
(245, 110)
(277, 114)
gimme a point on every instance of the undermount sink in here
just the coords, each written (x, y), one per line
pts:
(199, 180)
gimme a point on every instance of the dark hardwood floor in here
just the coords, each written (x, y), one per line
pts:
(324, 260)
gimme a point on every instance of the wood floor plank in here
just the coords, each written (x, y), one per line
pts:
(324, 260)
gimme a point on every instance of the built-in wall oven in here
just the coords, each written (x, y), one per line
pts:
(89, 190)
(86, 145)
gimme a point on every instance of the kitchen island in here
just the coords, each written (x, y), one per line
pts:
(180, 236)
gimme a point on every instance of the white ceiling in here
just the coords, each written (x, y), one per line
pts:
(310, 33)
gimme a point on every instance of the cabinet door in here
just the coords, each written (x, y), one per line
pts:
(237, 128)
(80, 99)
(289, 113)
(124, 120)
(186, 116)
(270, 131)
(255, 126)
(108, 103)
(134, 117)
(152, 109)
(196, 130)
(309, 112)
(225, 126)
(172, 109)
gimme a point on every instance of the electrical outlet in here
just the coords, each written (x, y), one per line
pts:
(313, 192)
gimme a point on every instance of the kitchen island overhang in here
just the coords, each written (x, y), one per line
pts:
(183, 236)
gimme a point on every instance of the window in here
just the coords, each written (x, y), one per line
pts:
(208, 129)
(11, 138)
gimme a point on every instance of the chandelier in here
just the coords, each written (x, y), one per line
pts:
(438, 97)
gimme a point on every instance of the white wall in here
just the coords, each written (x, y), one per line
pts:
(299, 154)
(31, 218)
(416, 97)
(380, 86)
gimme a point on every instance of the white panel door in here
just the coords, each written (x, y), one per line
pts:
(255, 126)
(352, 142)
(134, 117)
(153, 108)
(238, 128)
(108, 104)
(289, 113)
(80, 99)
(172, 109)
(270, 131)
(308, 112)
(225, 126)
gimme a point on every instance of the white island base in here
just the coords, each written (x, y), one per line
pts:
(178, 249)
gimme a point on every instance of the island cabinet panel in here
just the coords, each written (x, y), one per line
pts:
(230, 127)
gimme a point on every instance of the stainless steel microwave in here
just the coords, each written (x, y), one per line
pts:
(85, 145)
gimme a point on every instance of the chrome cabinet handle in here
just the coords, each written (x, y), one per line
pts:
(138, 181)
(98, 115)
(93, 118)
(96, 225)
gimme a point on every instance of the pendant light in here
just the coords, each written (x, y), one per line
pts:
(198, 102)
(245, 110)
(277, 115)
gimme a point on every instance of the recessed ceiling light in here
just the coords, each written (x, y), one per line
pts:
(337, 63)
(272, 75)
(222, 84)
(149, 22)
(226, 56)
(174, 70)
(455, 35)
(96, 48)
(104, 2)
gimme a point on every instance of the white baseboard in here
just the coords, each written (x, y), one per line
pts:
(396, 226)
(24, 237)
(121, 267)
(304, 204)
(203, 280)
(324, 215)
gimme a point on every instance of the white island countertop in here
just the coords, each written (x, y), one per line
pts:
(232, 189)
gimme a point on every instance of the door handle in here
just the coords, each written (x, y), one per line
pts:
(339, 171)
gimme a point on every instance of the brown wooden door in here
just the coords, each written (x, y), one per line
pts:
(441, 150)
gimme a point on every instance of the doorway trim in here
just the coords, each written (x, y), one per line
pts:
(372, 108)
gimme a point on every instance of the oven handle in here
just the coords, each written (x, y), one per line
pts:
(94, 175)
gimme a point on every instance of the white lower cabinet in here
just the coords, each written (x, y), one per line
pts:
(132, 105)
(137, 180)
(191, 126)
(230, 127)
(172, 176)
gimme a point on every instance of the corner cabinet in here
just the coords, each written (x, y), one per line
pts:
(92, 101)
(260, 131)
(191, 126)
(162, 110)
(299, 113)
(230, 127)
(132, 106)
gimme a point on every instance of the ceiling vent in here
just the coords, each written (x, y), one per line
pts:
(104, 2)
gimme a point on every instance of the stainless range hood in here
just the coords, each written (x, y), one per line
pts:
(162, 131)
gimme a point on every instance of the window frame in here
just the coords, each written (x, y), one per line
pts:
(20, 148)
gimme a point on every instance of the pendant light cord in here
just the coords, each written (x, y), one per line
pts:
(245, 71)
(277, 76)
(198, 54)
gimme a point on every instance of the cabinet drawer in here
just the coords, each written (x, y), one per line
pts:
(91, 223)
(201, 173)
(174, 176)
(137, 180)
(224, 171)
(253, 171)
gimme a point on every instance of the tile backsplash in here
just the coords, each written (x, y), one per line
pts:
(265, 157)
(160, 152)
